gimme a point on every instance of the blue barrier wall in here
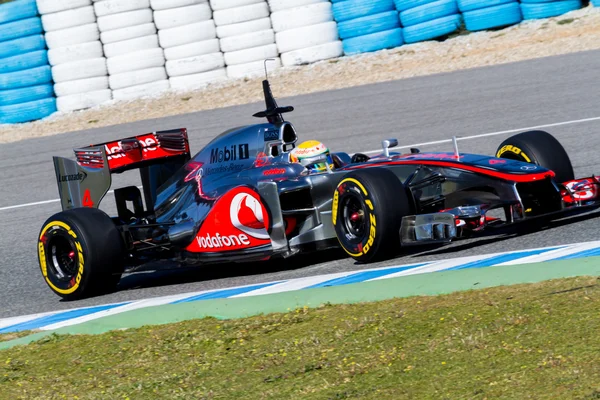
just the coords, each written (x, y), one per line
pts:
(127, 49)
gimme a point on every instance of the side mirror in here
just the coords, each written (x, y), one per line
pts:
(386, 144)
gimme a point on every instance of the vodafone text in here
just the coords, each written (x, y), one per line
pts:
(148, 144)
(217, 241)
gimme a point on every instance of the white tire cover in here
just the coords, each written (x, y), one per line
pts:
(167, 4)
(255, 68)
(185, 34)
(131, 45)
(81, 101)
(313, 54)
(52, 6)
(309, 36)
(218, 5)
(70, 36)
(135, 61)
(253, 54)
(195, 65)
(83, 69)
(109, 7)
(278, 5)
(68, 19)
(299, 17)
(143, 90)
(125, 20)
(134, 78)
(196, 81)
(131, 32)
(77, 52)
(192, 49)
(241, 14)
(248, 40)
(182, 16)
(243, 28)
(81, 86)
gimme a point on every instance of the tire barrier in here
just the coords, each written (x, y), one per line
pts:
(246, 36)
(535, 9)
(187, 33)
(26, 92)
(70, 55)
(135, 62)
(75, 54)
(479, 15)
(367, 25)
(425, 20)
(307, 33)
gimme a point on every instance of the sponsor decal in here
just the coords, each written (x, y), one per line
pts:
(582, 190)
(335, 205)
(247, 215)
(271, 135)
(196, 171)
(528, 167)
(372, 233)
(223, 168)
(274, 171)
(218, 241)
(87, 201)
(115, 151)
(73, 177)
(238, 220)
(119, 153)
(512, 149)
(231, 153)
(494, 161)
(261, 160)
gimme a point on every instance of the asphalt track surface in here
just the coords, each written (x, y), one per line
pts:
(560, 91)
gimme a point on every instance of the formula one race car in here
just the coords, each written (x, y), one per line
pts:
(242, 198)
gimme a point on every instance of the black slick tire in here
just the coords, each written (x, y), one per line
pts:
(367, 210)
(81, 253)
(541, 148)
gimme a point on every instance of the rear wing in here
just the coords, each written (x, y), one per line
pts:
(84, 182)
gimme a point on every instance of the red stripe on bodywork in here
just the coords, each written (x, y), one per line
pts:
(471, 168)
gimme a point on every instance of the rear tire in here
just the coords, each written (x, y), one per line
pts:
(541, 148)
(81, 253)
(368, 206)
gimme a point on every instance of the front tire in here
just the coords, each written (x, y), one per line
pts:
(368, 206)
(541, 148)
(81, 253)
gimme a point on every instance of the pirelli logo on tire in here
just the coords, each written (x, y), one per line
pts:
(49, 231)
(353, 215)
(509, 148)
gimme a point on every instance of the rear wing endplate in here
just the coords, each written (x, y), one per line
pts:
(80, 186)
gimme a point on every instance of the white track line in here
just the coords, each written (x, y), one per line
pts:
(575, 121)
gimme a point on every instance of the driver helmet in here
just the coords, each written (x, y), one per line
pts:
(310, 155)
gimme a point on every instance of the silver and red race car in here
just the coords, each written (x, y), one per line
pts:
(241, 199)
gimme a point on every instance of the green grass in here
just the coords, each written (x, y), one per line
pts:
(527, 341)
(565, 21)
(4, 337)
(5, 1)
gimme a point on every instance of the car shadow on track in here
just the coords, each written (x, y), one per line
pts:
(179, 276)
